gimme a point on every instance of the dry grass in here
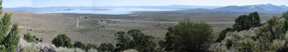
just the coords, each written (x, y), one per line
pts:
(48, 26)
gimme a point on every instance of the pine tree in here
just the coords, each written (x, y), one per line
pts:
(10, 42)
(12, 39)
(4, 23)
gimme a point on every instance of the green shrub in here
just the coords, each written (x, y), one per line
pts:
(161, 44)
(246, 45)
(285, 26)
(122, 41)
(285, 15)
(28, 37)
(189, 36)
(141, 42)
(229, 42)
(245, 22)
(62, 41)
(272, 30)
(89, 46)
(80, 45)
(222, 35)
(262, 45)
(29, 47)
(106, 47)
(221, 49)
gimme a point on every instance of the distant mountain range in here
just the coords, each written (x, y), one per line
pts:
(262, 8)
(33, 9)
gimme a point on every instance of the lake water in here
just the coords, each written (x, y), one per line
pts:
(114, 11)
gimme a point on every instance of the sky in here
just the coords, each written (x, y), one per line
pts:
(55, 3)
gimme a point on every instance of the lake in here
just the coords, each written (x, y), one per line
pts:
(114, 11)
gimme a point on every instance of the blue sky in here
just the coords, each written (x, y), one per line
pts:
(50, 3)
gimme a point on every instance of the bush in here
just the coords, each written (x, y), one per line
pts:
(167, 45)
(80, 45)
(28, 37)
(285, 15)
(62, 41)
(190, 36)
(141, 42)
(229, 42)
(272, 30)
(221, 49)
(246, 45)
(161, 44)
(106, 47)
(122, 41)
(222, 35)
(29, 47)
(245, 22)
(89, 46)
(285, 26)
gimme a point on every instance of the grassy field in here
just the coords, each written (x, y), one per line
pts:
(100, 28)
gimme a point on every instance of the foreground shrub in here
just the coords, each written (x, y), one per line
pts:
(222, 35)
(141, 42)
(29, 47)
(91, 46)
(80, 45)
(190, 36)
(62, 41)
(272, 30)
(285, 15)
(39, 47)
(106, 47)
(167, 45)
(246, 45)
(122, 41)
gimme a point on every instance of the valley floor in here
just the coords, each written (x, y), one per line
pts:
(100, 28)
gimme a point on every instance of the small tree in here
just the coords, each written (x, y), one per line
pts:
(28, 37)
(62, 40)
